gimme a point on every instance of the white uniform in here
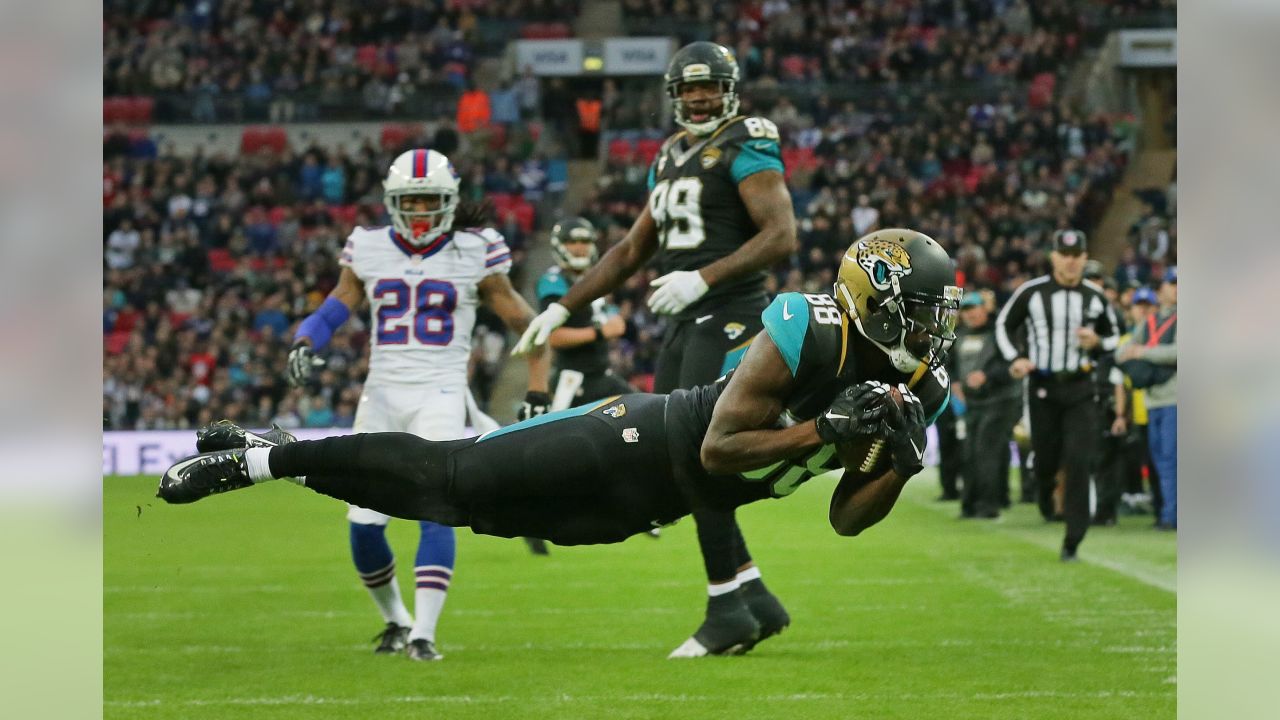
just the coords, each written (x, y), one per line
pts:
(423, 309)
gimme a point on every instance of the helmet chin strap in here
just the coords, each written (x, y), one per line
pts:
(901, 359)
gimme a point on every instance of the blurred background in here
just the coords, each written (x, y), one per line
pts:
(242, 141)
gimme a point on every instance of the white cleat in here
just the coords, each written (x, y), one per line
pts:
(690, 648)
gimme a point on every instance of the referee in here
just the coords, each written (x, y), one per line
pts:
(1053, 330)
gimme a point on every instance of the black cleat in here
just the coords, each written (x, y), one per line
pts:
(391, 640)
(1068, 555)
(226, 435)
(423, 649)
(200, 476)
(766, 609)
(729, 629)
(537, 546)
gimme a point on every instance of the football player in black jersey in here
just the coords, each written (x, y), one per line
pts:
(582, 372)
(719, 216)
(808, 395)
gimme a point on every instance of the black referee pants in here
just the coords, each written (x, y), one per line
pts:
(1064, 435)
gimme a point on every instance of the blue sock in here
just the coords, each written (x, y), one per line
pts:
(437, 548)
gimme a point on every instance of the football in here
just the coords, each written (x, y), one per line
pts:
(868, 455)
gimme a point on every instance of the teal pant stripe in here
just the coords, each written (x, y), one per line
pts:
(547, 418)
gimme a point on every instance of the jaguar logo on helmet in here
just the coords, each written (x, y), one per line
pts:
(883, 261)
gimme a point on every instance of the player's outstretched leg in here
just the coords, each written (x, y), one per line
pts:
(397, 474)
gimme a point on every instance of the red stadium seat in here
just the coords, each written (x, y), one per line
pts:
(137, 110)
(367, 57)
(525, 216)
(397, 135)
(275, 215)
(114, 343)
(647, 150)
(220, 260)
(125, 321)
(113, 110)
(344, 214)
(621, 150)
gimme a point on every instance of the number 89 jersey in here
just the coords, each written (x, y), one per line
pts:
(422, 300)
(694, 201)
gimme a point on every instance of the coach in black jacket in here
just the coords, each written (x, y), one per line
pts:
(993, 403)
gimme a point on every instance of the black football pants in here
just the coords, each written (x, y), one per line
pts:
(988, 429)
(573, 477)
(1064, 434)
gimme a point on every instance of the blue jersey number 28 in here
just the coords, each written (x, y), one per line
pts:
(433, 301)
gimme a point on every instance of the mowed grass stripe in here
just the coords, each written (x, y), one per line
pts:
(921, 616)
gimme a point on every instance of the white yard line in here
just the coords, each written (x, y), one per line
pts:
(287, 700)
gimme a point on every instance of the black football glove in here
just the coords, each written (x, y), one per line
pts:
(906, 435)
(535, 404)
(856, 412)
(303, 363)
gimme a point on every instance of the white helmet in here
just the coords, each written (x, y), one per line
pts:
(421, 172)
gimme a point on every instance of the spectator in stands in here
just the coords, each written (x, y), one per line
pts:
(1155, 342)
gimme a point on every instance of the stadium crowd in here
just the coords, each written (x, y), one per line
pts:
(242, 60)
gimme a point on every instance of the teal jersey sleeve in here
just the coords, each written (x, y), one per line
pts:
(756, 155)
(552, 285)
(651, 180)
(787, 322)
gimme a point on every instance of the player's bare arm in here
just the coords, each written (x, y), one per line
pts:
(742, 435)
(769, 205)
(497, 293)
(861, 499)
(619, 263)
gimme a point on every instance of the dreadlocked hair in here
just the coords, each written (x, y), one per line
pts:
(473, 214)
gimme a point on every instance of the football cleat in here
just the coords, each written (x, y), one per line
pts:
(423, 649)
(391, 640)
(729, 629)
(200, 476)
(766, 609)
(226, 435)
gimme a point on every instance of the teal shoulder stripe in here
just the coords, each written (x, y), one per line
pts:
(943, 406)
(734, 357)
(547, 418)
(787, 321)
(552, 284)
(653, 175)
(756, 156)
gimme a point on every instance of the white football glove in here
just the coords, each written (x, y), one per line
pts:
(676, 291)
(303, 364)
(541, 327)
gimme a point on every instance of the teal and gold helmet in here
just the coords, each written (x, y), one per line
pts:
(898, 286)
(572, 231)
(703, 61)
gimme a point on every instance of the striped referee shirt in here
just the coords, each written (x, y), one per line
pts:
(1041, 319)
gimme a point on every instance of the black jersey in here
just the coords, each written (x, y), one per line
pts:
(694, 201)
(821, 349)
(591, 358)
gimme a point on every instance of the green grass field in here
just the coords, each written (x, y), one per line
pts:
(246, 606)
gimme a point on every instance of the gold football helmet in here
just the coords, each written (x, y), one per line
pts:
(898, 287)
